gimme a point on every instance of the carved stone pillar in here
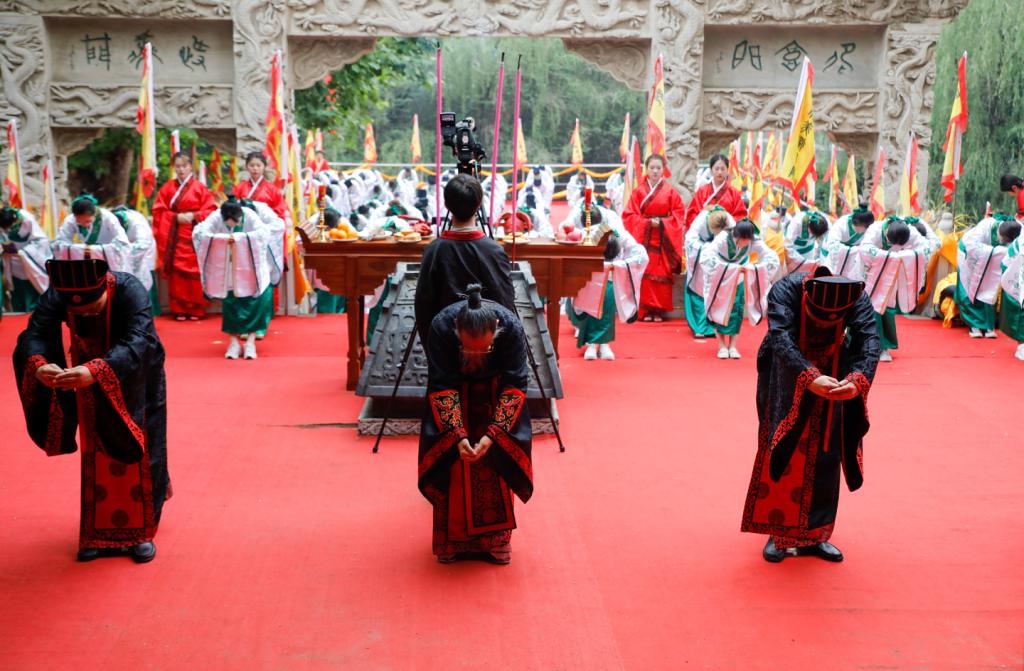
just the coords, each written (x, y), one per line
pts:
(678, 37)
(259, 30)
(627, 61)
(23, 83)
(908, 79)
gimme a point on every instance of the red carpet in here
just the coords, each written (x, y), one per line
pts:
(291, 547)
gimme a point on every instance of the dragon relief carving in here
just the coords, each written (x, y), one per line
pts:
(164, 9)
(83, 105)
(733, 111)
(831, 11)
(22, 80)
(467, 17)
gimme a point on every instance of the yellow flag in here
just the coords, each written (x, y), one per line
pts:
(656, 115)
(369, 145)
(576, 145)
(908, 181)
(877, 200)
(624, 141)
(414, 146)
(13, 180)
(735, 179)
(850, 187)
(798, 165)
(49, 218)
(520, 144)
(951, 167)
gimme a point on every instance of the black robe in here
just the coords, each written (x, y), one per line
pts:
(491, 403)
(124, 413)
(454, 261)
(794, 488)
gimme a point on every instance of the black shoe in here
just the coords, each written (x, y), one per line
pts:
(772, 553)
(144, 552)
(88, 554)
(824, 550)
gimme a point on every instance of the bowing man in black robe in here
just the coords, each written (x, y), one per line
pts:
(475, 440)
(461, 256)
(114, 395)
(814, 371)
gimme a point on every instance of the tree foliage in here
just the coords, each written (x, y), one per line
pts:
(558, 87)
(990, 32)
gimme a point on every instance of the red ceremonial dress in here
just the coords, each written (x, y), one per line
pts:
(264, 192)
(178, 262)
(1020, 204)
(727, 196)
(664, 243)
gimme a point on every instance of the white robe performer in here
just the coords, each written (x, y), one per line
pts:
(804, 251)
(242, 268)
(725, 265)
(626, 271)
(574, 192)
(698, 236)
(979, 259)
(143, 246)
(31, 249)
(615, 188)
(843, 249)
(895, 274)
(104, 239)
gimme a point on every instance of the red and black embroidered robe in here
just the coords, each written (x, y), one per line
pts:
(473, 501)
(176, 254)
(805, 440)
(664, 243)
(121, 419)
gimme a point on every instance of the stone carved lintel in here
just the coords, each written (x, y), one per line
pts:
(626, 61)
(311, 58)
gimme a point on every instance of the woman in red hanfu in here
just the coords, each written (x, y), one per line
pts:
(257, 187)
(717, 192)
(654, 217)
(180, 204)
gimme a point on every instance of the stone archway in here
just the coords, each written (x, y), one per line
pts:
(217, 52)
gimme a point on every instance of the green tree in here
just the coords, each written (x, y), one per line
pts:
(990, 32)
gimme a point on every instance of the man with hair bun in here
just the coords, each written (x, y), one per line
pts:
(476, 435)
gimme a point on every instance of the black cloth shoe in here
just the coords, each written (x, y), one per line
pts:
(824, 550)
(88, 554)
(144, 552)
(772, 553)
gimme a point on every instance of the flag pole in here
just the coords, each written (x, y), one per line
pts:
(497, 135)
(437, 162)
(515, 152)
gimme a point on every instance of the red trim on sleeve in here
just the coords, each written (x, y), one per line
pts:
(27, 390)
(506, 412)
(111, 387)
(789, 421)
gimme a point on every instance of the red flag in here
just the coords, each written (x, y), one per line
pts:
(878, 189)
(276, 147)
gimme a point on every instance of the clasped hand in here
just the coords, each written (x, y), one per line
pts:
(476, 452)
(68, 379)
(833, 389)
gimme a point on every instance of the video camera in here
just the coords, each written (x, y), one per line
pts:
(459, 136)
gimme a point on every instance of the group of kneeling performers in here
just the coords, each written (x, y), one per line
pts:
(829, 317)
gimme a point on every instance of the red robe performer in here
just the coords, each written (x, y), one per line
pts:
(717, 192)
(180, 204)
(258, 188)
(654, 217)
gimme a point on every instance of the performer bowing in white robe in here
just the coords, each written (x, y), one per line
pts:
(738, 268)
(93, 232)
(613, 292)
(500, 186)
(1011, 314)
(706, 226)
(231, 245)
(806, 234)
(574, 192)
(979, 257)
(843, 244)
(142, 254)
(895, 258)
(615, 188)
(25, 251)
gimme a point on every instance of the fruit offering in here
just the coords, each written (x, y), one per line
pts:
(410, 235)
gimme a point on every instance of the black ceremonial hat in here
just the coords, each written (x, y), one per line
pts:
(830, 298)
(78, 282)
